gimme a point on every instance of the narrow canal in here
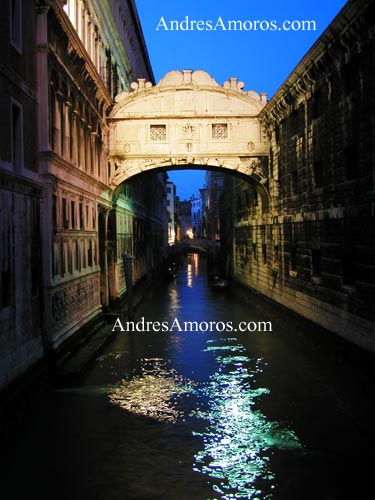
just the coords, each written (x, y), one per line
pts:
(281, 414)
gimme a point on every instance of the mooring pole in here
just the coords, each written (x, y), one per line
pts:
(129, 283)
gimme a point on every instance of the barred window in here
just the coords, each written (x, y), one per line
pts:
(220, 131)
(158, 132)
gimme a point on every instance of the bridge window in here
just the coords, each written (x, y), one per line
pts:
(219, 131)
(158, 132)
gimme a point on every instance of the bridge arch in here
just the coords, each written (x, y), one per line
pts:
(261, 188)
(188, 121)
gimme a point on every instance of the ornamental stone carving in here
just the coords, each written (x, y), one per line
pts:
(187, 119)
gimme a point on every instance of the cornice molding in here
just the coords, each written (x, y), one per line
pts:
(67, 72)
(74, 170)
(113, 42)
(78, 47)
(341, 36)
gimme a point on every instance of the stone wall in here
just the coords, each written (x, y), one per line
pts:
(313, 251)
(21, 340)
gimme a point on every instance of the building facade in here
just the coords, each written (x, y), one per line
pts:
(313, 250)
(172, 213)
(185, 219)
(63, 229)
(215, 189)
(198, 207)
(22, 338)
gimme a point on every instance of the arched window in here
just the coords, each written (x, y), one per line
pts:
(77, 134)
(63, 118)
(89, 143)
(72, 128)
(53, 110)
(99, 151)
(82, 138)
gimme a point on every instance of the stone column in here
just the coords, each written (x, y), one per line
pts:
(42, 76)
(103, 249)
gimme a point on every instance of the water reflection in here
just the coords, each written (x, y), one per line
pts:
(189, 276)
(238, 439)
(154, 393)
(177, 416)
(174, 301)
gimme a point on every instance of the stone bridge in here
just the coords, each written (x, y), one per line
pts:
(185, 121)
(198, 245)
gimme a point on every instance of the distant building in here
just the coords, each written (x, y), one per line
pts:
(215, 188)
(199, 213)
(172, 213)
(185, 215)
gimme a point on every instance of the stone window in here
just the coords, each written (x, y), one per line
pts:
(255, 251)
(54, 211)
(65, 218)
(349, 76)
(318, 173)
(17, 137)
(78, 256)
(297, 121)
(348, 266)
(89, 253)
(349, 257)
(219, 131)
(158, 132)
(351, 162)
(293, 258)
(93, 217)
(16, 24)
(73, 214)
(81, 222)
(277, 134)
(264, 253)
(317, 105)
(315, 262)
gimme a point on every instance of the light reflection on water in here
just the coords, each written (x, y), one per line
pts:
(174, 301)
(154, 393)
(237, 440)
(189, 276)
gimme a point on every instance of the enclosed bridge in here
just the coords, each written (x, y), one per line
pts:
(185, 121)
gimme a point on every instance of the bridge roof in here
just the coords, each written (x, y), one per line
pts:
(188, 93)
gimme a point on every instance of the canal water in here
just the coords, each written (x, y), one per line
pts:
(201, 411)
